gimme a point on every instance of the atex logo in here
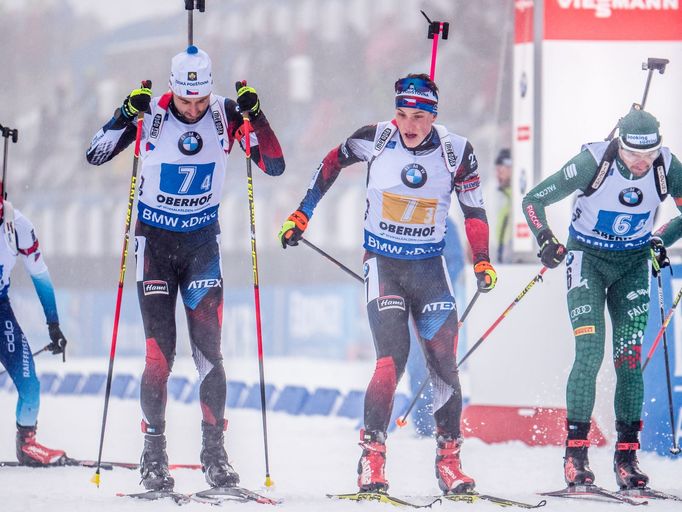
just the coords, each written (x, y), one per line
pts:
(438, 306)
(205, 283)
(155, 287)
(604, 8)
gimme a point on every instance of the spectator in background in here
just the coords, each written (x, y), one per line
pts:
(503, 172)
(422, 412)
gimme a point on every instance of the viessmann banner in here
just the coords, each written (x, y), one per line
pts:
(613, 20)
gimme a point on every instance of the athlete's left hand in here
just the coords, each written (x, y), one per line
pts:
(485, 275)
(659, 255)
(58, 345)
(247, 99)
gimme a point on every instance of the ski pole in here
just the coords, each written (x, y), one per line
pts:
(190, 5)
(121, 278)
(334, 261)
(7, 133)
(436, 28)
(504, 314)
(256, 292)
(34, 355)
(652, 64)
(664, 326)
(675, 449)
(402, 420)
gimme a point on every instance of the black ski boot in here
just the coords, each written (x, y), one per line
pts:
(154, 461)
(625, 464)
(214, 463)
(576, 464)
(32, 453)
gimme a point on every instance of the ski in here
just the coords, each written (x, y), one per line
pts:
(62, 462)
(213, 496)
(218, 495)
(647, 492)
(108, 465)
(593, 492)
(178, 498)
(381, 497)
(472, 497)
(135, 465)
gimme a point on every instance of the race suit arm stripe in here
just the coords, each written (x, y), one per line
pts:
(576, 174)
(467, 185)
(357, 148)
(29, 249)
(111, 139)
(672, 230)
(266, 151)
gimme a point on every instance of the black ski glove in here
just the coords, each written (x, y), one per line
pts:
(247, 99)
(137, 101)
(659, 255)
(552, 253)
(58, 345)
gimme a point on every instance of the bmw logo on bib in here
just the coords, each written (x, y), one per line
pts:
(190, 143)
(631, 196)
(414, 176)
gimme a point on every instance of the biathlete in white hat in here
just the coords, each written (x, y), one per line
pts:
(188, 133)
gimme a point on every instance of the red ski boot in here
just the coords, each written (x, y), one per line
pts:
(371, 477)
(451, 478)
(31, 453)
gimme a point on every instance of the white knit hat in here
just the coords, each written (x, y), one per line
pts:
(191, 73)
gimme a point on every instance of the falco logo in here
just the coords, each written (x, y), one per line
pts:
(205, 283)
(413, 175)
(631, 196)
(156, 124)
(155, 287)
(391, 302)
(191, 76)
(383, 138)
(190, 143)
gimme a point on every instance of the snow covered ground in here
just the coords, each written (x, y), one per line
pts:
(309, 456)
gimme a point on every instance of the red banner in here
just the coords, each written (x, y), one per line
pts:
(613, 20)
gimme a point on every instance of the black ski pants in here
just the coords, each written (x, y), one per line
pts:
(394, 289)
(168, 262)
